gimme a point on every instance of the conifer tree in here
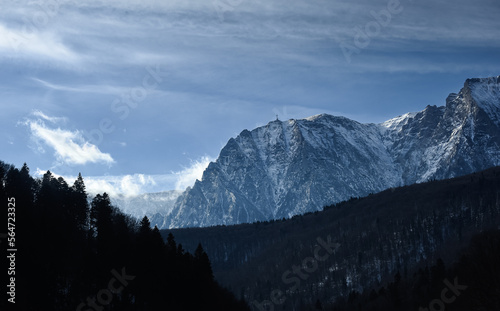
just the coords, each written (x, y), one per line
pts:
(202, 265)
(145, 225)
(80, 206)
(101, 222)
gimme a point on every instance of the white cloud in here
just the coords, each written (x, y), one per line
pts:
(189, 175)
(36, 44)
(96, 89)
(127, 185)
(134, 184)
(38, 113)
(70, 146)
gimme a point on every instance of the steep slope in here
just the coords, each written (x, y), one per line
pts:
(400, 229)
(290, 167)
(443, 142)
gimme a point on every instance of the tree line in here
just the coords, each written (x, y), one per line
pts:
(79, 254)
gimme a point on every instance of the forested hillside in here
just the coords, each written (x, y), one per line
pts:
(371, 240)
(471, 283)
(72, 256)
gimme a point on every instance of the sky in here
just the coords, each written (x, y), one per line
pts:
(139, 96)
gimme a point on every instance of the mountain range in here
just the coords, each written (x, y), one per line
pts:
(291, 167)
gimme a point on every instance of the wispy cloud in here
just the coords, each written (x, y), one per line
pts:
(189, 175)
(119, 33)
(95, 89)
(43, 45)
(70, 147)
(39, 114)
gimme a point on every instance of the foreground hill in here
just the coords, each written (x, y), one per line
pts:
(371, 239)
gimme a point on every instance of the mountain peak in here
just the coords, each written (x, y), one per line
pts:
(486, 94)
(398, 122)
(488, 80)
(318, 116)
(326, 116)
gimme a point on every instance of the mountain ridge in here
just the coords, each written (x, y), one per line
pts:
(285, 168)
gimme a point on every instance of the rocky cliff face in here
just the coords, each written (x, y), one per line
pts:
(443, 142)
(291, 167)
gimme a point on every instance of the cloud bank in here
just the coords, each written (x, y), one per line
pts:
(131, 185)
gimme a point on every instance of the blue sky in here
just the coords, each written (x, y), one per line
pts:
(140, 95)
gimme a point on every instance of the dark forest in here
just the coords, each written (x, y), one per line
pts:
(72, 255)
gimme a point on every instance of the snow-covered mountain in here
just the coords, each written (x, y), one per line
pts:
(154, 205)
(290, 167)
